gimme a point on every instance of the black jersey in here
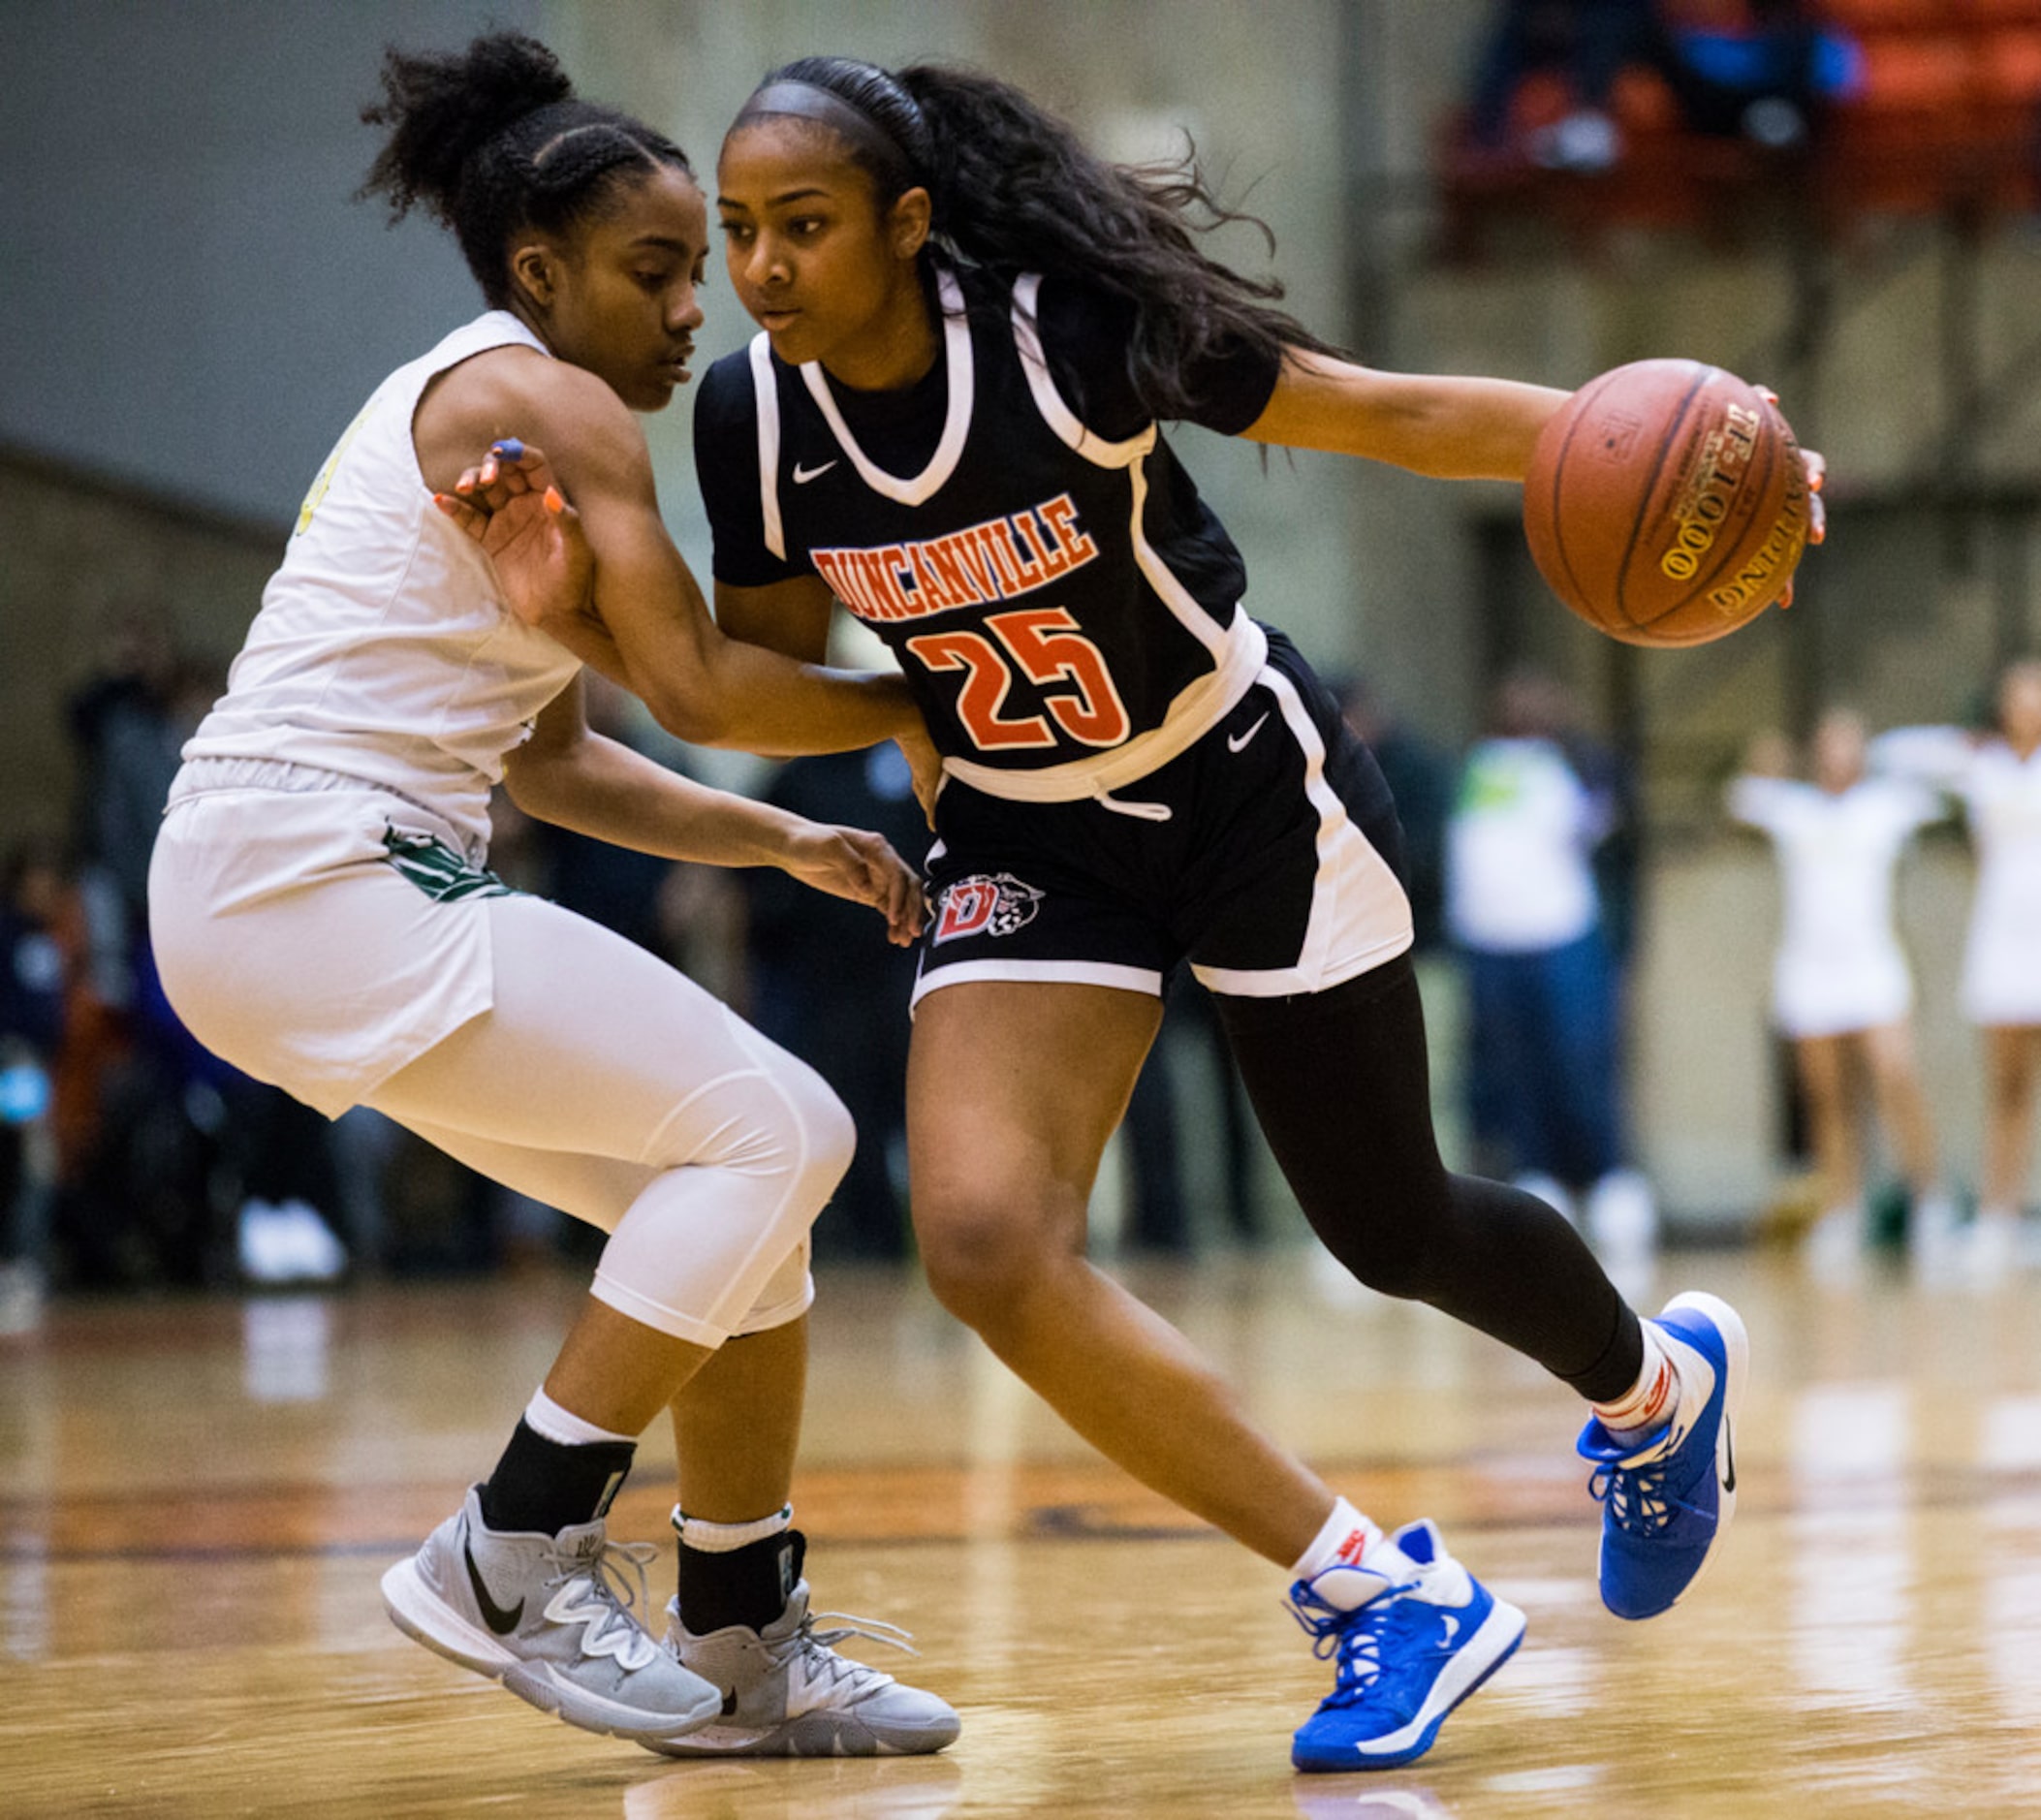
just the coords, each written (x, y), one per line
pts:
(1064, 604)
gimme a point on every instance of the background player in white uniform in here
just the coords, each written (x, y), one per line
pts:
(1840, 987)
(968, 454)
(1998, 782)
(324, 917)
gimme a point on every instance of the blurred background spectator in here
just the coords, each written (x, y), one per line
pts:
(1536, 801)
(34, 905)
(1762, 70)
(1842, 991)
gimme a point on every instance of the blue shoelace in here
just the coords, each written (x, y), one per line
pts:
(1638, 1502)
(1353, 1638)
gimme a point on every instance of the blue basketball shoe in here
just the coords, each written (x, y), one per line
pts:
(1412, 1634)
(1667, 1499)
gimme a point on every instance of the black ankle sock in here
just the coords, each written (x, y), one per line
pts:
(746, 1585)
(544, 1487)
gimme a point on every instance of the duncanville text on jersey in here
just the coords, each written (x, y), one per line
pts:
(999, 559)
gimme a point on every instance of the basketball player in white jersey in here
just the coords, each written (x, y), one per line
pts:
(324, 917)
(1840, 987)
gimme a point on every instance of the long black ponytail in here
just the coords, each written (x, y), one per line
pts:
(492, 142)
(1015, 190)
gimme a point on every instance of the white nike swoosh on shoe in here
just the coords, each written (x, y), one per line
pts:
(1238, 744)
(1451, 1623)
(803, 476)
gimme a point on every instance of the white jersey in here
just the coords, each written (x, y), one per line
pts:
(1520, 876)
(381, 651)
(2001, 796)
(1840, 966)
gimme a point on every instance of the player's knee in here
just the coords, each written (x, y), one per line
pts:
(827, 1136)
(1397, 1266)
(783, 1125)
(1403, 1257)
(981, 1260)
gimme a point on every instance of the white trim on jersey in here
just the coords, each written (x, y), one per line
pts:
(1041, 973)
(1056, 411)
(956, 425)
(1238, 650)
(1130, 455)
(767, 393)
(1359, 917)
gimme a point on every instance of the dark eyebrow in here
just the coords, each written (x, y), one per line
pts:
(777, 201)
(665, 242)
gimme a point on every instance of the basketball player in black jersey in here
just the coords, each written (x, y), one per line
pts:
(972, 328)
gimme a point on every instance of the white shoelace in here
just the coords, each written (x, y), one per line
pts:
(612, 1626)
(816, 1648)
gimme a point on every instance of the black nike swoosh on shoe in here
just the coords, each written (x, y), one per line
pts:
(499, 1620)
(1729, 1458)
(730, 1704)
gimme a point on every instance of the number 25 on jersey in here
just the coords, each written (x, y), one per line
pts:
(1044, 645)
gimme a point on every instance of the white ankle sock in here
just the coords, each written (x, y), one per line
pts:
(544, 1416)
(710, 1538)
(1345, 1540)
(1648, 1402)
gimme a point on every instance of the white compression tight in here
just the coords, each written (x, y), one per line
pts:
(614, 1088)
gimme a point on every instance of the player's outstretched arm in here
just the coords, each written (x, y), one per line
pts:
(1448, 426)
(613, 563)
(1455, 429)
(571, 776)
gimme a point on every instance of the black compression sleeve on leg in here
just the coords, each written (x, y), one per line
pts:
(1341, 1085)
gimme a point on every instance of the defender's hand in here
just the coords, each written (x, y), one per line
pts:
(856, 863)
(513, 507)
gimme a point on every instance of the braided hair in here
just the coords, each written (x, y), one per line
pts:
(493, 142)
(1014, 190)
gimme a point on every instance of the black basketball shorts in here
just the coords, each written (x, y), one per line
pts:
(1267, 855)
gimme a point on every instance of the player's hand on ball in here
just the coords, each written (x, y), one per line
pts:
(1668, 502)
(856, 863)
(512, 505)
(1816, 467)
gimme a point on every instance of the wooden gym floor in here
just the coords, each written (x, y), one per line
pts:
(197, 1498)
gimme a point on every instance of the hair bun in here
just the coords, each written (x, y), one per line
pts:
(442, 109)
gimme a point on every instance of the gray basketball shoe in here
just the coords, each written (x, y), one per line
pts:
(550, 1618)
(787, 1693)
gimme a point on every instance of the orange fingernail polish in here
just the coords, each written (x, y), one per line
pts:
(554, 501)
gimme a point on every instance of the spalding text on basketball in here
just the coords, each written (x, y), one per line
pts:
(1777, 557)
(1724, 456)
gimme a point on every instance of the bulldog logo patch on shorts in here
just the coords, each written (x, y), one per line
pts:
(985, 903)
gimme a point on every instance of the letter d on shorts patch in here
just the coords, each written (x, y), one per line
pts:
(987, 903)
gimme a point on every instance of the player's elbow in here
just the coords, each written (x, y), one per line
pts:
(540, 780)
(696, 715)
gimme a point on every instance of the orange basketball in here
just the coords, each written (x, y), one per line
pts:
(1667, 503)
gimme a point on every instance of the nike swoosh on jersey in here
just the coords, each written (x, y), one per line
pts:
(499, 1620)
(1238, 742)
(803, 476)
